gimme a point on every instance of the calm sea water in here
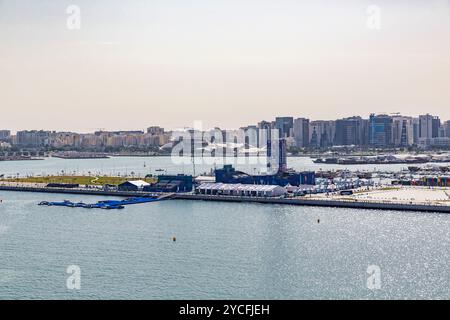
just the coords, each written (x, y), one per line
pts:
(223, 250)
(145, 165)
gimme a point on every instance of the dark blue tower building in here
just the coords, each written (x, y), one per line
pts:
(282, 177)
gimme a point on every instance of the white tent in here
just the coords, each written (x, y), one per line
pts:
(252, 190)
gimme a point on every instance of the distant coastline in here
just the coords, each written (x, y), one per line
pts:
(18, 158)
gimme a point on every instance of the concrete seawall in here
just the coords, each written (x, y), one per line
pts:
(92, 192)
(322, 203)
(284, 201)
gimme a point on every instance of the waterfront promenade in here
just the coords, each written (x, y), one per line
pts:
(323, 202)
(356, 201)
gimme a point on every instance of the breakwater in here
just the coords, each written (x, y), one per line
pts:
(354, 204)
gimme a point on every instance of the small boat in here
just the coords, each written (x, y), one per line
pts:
(80, 205)
(413, 168)
(112, 207)
(326, 160)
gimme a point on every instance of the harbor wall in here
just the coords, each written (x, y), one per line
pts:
(93, 192)
(286, 201)
(322, 203)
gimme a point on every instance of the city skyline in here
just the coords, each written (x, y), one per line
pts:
(223, 63)
(376, 131)
(196, 123)
(224, 155)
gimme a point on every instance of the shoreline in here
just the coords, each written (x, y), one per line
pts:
(353, 204)
(31, 159)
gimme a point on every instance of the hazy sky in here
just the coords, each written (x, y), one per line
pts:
(227, 63)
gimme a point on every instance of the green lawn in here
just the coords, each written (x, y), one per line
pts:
(85, 180)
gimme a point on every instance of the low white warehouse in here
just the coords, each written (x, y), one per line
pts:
(251, 190)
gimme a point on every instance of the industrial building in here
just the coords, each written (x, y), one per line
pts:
(282, 177)
(137, 185)
(171, 183)
(229, 175)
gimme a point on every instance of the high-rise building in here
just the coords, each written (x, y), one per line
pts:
(365, 132)
(442, 132)
(33, 138)
(301, 132)
(251, 136)
(64, 139)
(436, 124)
(349, 131)
(5, 135)
(276, 154)
(282, 157)
(321, 133)
(402, 131)
(264, 125)
(416, 130)
(155, 130)
(447, 128)
(380, 130)
(285, 126)
(426, 126)
(429, 126)
(264, 133)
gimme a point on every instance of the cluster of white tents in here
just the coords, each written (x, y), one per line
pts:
(259, 190)
(252, 190)
(323, 185)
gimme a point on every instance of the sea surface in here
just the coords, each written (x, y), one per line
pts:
(141, 166)
(222, 250)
